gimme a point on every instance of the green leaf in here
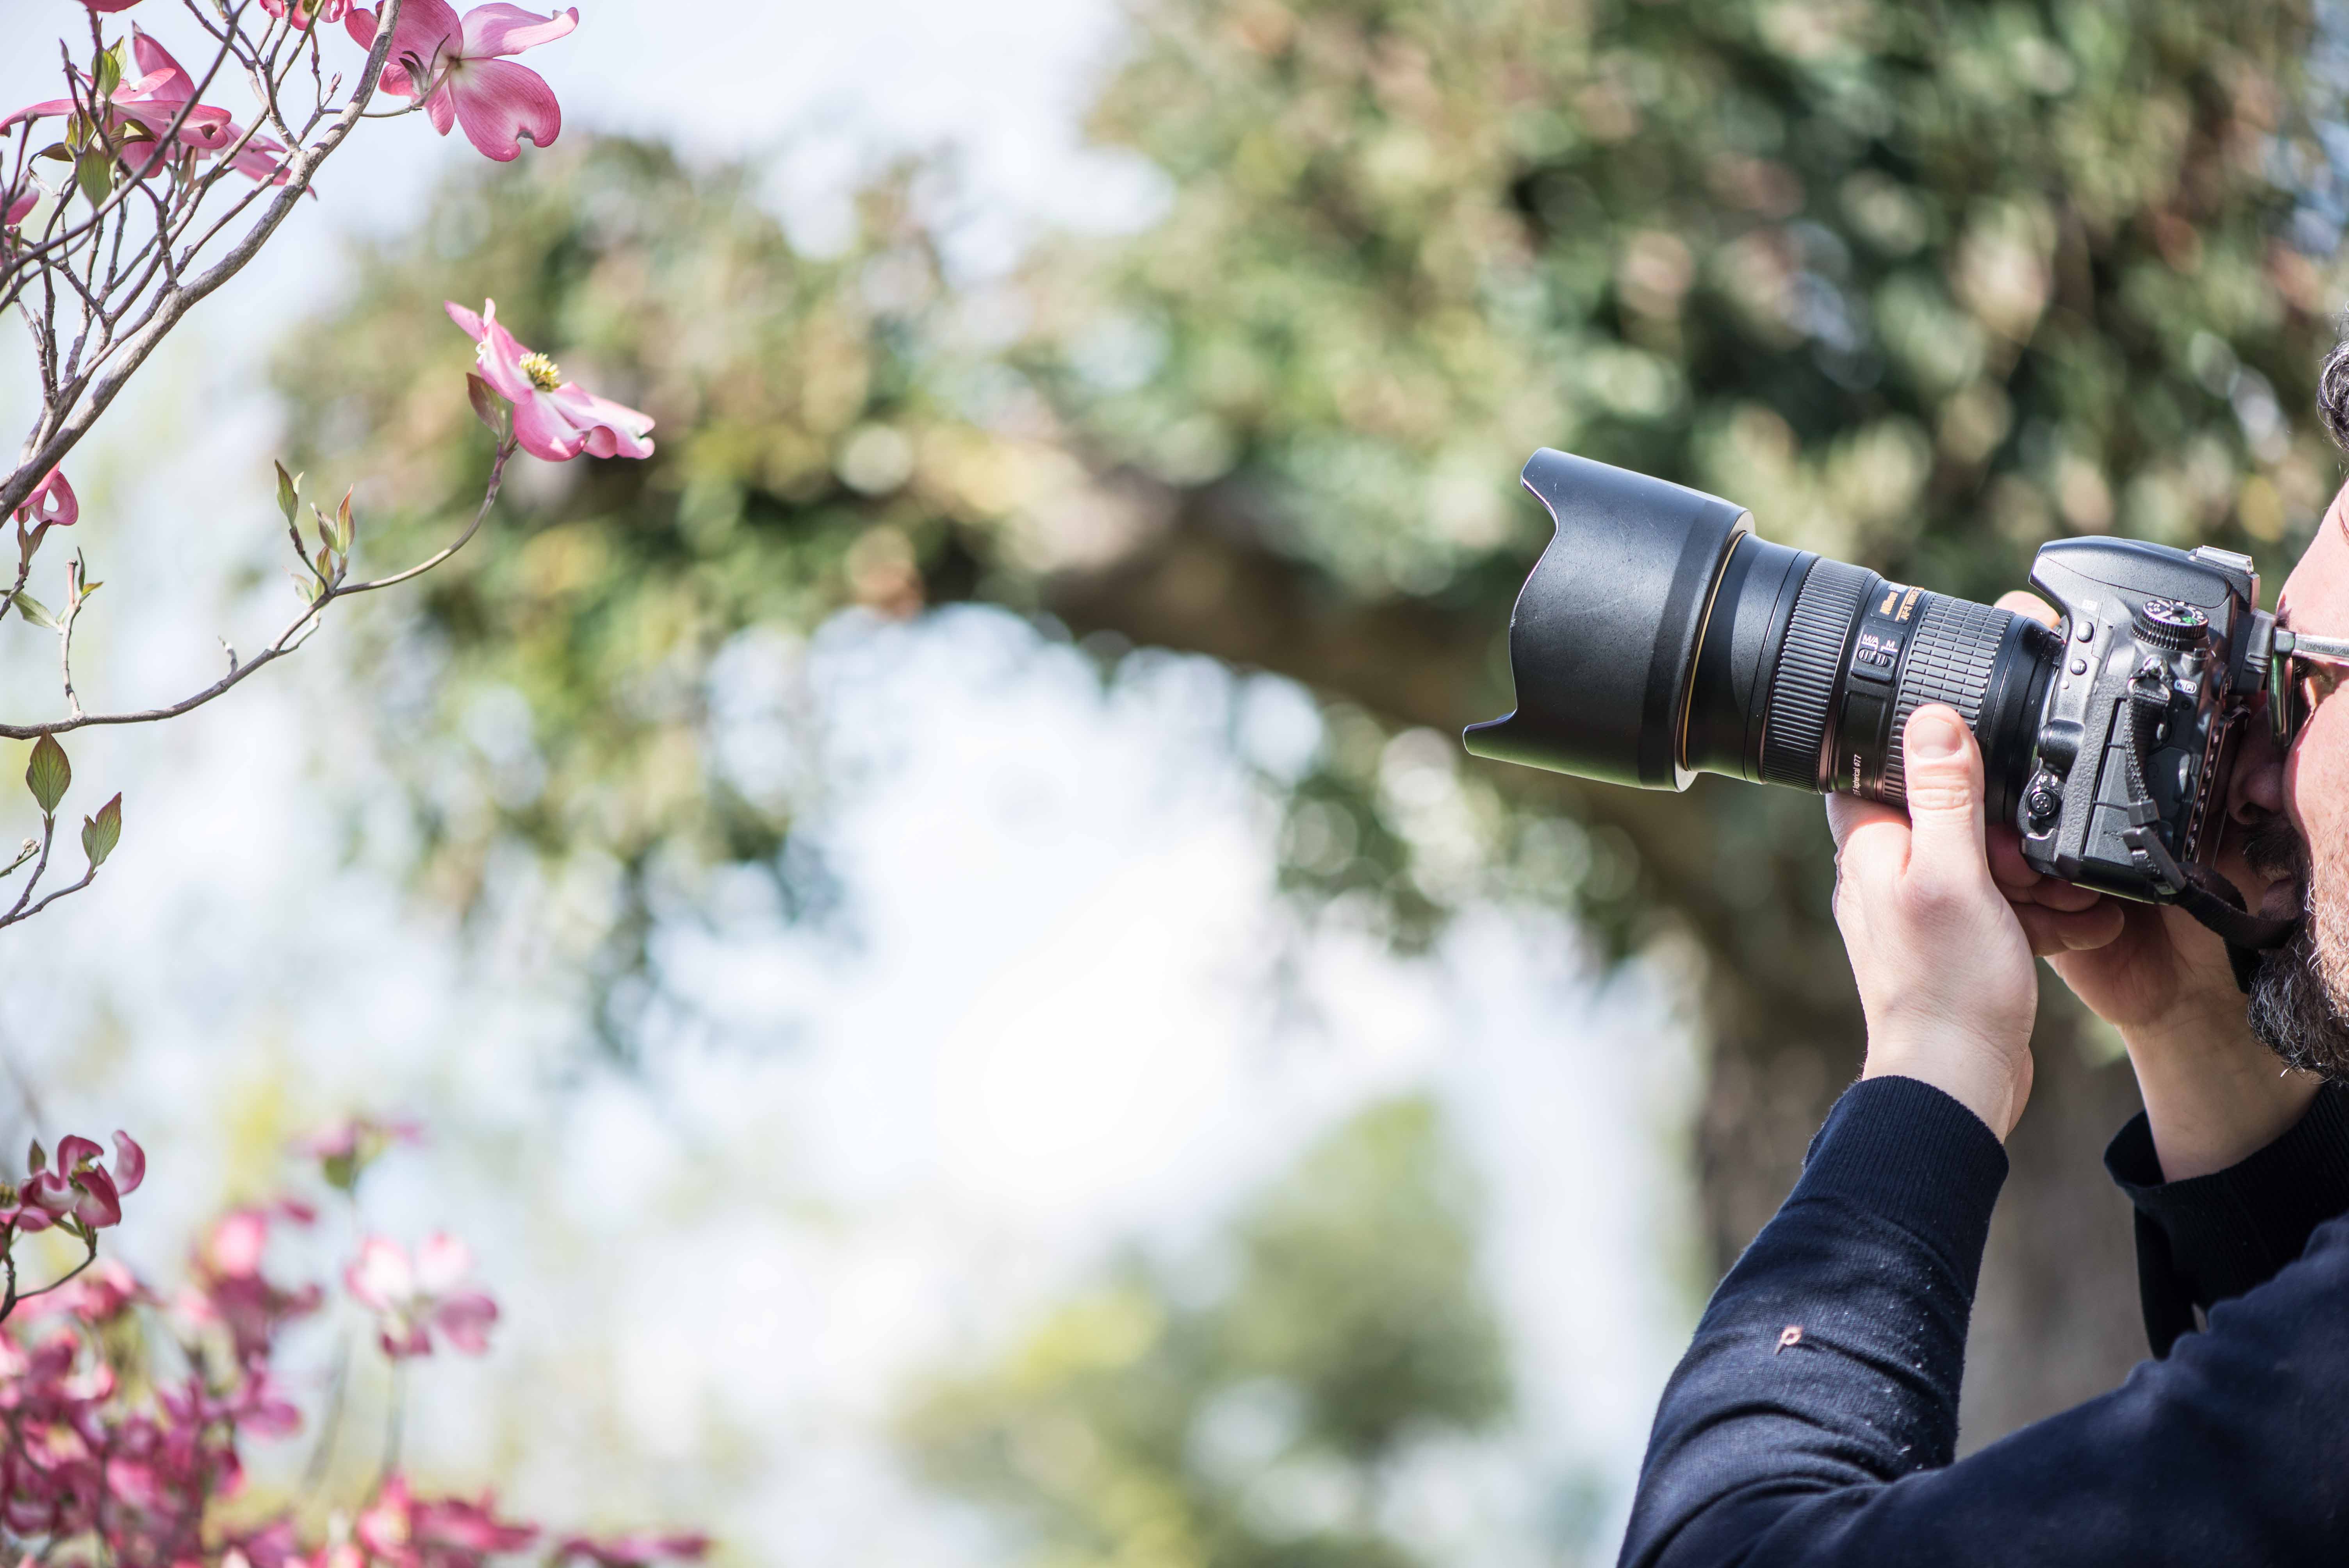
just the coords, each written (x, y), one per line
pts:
(345, 529)
(100, 833)
(289, 493)
(95, 172)
(33, 610)
(48, 774)
(58, 151)
(36, 1159)
(486, 407)
(108, 72)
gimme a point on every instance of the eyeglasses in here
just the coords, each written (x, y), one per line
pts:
(2302, 671)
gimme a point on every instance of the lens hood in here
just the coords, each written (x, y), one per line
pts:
(1605, 633)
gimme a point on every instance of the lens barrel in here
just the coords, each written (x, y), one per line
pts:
(1658, 638)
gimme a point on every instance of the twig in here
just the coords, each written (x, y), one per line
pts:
(14, 1301)
(287, 641)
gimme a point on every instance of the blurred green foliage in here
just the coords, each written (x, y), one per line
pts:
(566, 704)
(1257, 1425)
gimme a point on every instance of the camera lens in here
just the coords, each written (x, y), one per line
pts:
(1660, 637)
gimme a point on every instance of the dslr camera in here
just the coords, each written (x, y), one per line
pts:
(1660, 637)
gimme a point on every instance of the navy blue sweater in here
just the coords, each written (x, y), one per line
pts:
(1815, 1419)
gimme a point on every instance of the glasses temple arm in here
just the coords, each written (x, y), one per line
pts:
(2299, 644)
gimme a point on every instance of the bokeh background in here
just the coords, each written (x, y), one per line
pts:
(963, 989)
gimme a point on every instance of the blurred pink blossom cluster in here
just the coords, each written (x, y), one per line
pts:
(112, 1441)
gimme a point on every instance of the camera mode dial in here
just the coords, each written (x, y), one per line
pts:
(2171, 623)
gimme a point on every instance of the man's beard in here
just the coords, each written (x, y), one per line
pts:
(2300, 992)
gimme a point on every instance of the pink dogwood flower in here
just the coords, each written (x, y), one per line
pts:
(15, 202)
(151, 102)
(346, 1147)
(52, 504)
(412, 1298)
(554, 418)
(80, 1189)
(455, 68)
(104, 5)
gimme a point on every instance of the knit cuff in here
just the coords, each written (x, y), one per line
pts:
(1904, 1151)
(2233, 1229)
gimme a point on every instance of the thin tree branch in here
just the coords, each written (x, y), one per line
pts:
(287, 641)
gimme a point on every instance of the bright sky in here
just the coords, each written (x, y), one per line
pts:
(1055, 1032)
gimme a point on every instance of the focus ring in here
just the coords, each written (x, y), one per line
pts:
(1950, 656)
(1794, 733)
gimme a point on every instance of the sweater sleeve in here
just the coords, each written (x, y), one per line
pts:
(1813, 1421)
(2206, 1239)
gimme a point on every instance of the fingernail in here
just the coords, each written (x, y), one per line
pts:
(1935, 734)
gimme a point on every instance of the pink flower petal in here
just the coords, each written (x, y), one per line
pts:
(501, 105)
(234, 1247)
(40, 110)
(429, 34)
(99, 1205)
(544, 432)
(409, 1341)
(441, 1262)
(613, 430)
(467, 320)
(502, 29)
(381, 1278)
(73, 1149)
(441, 108)
(52, 504)
(466, 1319)
(634, 1551)
(130, 1163)
(261, 159)
(51, 1191)
(155, 61)
(500, 359)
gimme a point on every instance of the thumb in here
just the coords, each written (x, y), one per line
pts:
(1943, 768)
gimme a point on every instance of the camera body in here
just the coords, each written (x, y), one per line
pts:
(2163, 652)
(1660, 637)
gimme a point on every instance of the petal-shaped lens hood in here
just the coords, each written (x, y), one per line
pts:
(1604, 633)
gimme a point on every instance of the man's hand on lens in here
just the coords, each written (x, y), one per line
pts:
(1942, 963)
(2211, 1090)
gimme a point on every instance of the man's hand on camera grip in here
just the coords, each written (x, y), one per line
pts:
(1943, 965)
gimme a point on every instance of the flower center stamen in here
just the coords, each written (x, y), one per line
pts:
(543, 373)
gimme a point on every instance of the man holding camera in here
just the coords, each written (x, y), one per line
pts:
(1814, 1420)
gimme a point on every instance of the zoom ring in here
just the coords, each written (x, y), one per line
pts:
(1795, 730)
(1951, 658)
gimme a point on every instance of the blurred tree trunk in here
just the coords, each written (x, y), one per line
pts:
(2056, 1320)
